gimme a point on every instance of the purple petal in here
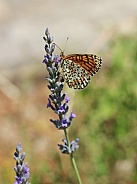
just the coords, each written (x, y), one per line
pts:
(67, 99)
(49, 103)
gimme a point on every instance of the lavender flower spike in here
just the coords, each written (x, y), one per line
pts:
(57, 101)
(21, 169)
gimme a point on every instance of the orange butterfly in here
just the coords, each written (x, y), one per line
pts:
(79, 68)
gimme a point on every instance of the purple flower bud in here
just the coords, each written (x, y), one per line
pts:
(47, 59)
(52, 47)
(18, 147)
(74, 145)
(64, 123)
(64, 148)
(47, 32)
(61, 109)
(67, 99)
(49, 103)
(22, 157)
(50, 39)
(47, 49)
(56, 59)
(72, 115)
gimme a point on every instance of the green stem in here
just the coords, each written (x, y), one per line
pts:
(73, 159)
(75, 168)
(67, 139)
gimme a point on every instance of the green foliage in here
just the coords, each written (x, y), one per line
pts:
(109, 123)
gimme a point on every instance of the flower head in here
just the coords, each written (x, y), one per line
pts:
(57, 101)
(21, 169)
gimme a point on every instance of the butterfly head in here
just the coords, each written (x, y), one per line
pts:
(61, 54)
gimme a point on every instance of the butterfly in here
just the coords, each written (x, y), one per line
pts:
(78, 69)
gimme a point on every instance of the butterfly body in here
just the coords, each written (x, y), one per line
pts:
(78, 68)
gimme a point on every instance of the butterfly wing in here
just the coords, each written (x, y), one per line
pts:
(78, 69)
(90, 62)
(75, 76)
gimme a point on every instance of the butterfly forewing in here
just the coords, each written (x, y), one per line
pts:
(78, 69)
(91, 63)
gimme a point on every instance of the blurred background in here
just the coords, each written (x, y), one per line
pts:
(107, 122)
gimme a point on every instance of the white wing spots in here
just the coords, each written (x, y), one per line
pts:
(75, 76)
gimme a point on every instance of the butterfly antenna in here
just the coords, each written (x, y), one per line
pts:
(58, 47)
(66, 44)
(62, 52)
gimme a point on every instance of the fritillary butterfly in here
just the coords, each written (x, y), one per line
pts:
(79, 68)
